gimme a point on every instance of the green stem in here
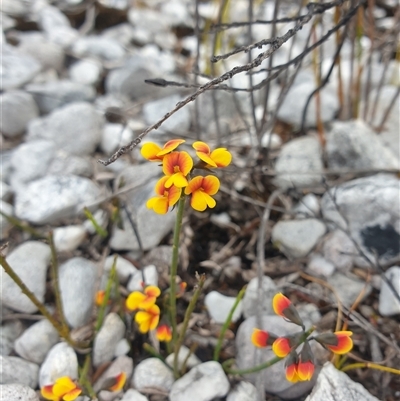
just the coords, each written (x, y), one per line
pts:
(227, 323)
(83, 380)
(174, 266)
(22, 226)
(188, 313)
(110, 282)
(152, 351)
(56, 284)
(99, 230)
(370, 365)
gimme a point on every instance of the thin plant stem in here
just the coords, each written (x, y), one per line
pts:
(98, 228)
(56, 282)
(152, 351)
(83, 380)
(192, 350)
(227, 323)
(174, 266)
(182, 332)
(110, 282)
(370, 365)
(22, 226)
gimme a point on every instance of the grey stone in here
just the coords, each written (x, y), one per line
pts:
(6, 22)
(308, 207)
(86, 72)
(9, 331)
(333, 385)
(178, 124)
(36, 341)
(353, 145)
(122, 33)
(115, 4)
(16, 370)
(339, 250)
(122, 347)
(152, 227)
(15, 8)
(389, 305)
(125, 269)
(244, 391)
(252, 299)
(5, 165)
(119, 365)
(29, 260)
(17, 392)
(60, 361)
(18, 108)
(248, 356)
(183, 358)
(204, 382)
(64, 163)
(296, 238)
(291, 111)
(114, 136)
(105, 49)
(17, 68)
(148, 276)
(133, 395)
(67, 239)
(48, 54)
(54, 197)
(348, 288)
(299, 164)
(65, 126)
(5, 191)
(369, 209)
(105, 342)
(53, 95)
(77, 279)
(30, 161)
(219, 307)
(152, 373)
(5, 224)
(318, 265)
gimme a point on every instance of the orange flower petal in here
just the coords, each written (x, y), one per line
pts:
(170, 146)
(159, 205)
(201, 147)
(63, 385)
(177, 179)
(148, 319)
(120, 381)
(291, 373)
(259, 338)
(152, 291)
(164, 333)
(177, 162)
(100, 297)
(305, 370)
(134, 300)
(160, 188)
(280, 303)
(72, 395)
(194, 185)
(174, 193)
(149, 151)
(206, 159)
(211, 184)
(344, 343)
(221, 157)
(281, 347)
(200, 200)
(47, 393)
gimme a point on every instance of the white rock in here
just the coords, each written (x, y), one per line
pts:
(86, 71)
(64, 163)
(244, 391)
(320, 266)
(219, 306)
(67, 239)
(54, 197)
(104, 48)
(125, 269)
(122, 347)
(339, 250)
(152, 373)
(333, 385)
(9, 331)
(16, 370)
(18, 108)
(271, 141)
(296, 238)
(389, 305)
(353, 145)
(17, 392)
(133, 395)
(77, 278)
(5, 225)
(191, 362)
(29, 260)
(5, 191)
(204, 382)
(114, 136)
(308, 206)
(147, 275)
(299, 163)
(252, 300)
(178, 124)
(60, 361)
(36, 341)
(106, 340)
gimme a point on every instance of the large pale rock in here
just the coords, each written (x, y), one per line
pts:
(17, 392)
(152, 373)
(16, 370)
(219, 307)
(389, 304)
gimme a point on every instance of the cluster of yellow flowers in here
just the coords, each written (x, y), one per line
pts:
(178, 167)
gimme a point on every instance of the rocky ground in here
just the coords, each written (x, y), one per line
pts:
(324, 191)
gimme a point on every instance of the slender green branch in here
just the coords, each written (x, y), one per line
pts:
(370, 365)
(99, 230)
(84, 381)
(192, 350)
(152, 351)
(103, 306)
(174, 265)
(188, 313)
(56, 283)
(227, 323)
(22, 226)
